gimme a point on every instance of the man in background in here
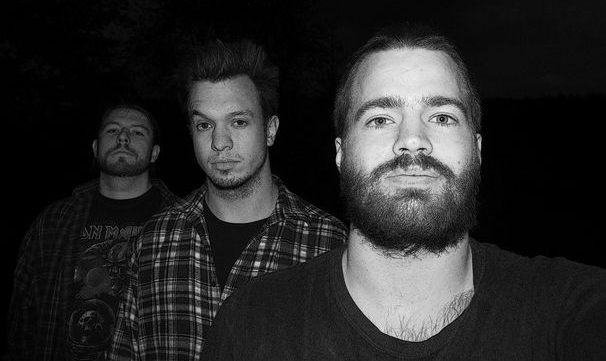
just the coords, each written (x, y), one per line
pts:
(411, 284)
(70, 273)
(242, 222)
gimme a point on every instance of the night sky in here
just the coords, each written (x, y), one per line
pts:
(539, 66)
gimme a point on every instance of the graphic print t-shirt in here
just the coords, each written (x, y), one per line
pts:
(100, 273)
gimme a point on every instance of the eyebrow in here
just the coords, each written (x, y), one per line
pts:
(392, 102)
(111, 122)
(388, 102)
(230, 114)
(439, 101)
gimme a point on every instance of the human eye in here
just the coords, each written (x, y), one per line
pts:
(203, 126)
(378, 122)
(139, 133)
(240, 123)
(444, 120)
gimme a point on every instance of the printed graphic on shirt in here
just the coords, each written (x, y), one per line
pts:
(100, 277)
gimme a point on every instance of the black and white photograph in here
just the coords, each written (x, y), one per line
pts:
(304, 180)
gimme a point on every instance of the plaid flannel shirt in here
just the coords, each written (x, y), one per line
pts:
(44, 275)
(174, 294)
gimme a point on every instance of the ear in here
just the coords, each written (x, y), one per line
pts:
(479, 146)
(339, 149)
(271, 129)
(95, 148)
(155, 153)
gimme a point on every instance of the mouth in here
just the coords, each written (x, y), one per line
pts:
(413, 177)
(224, 161)
(224, 164)
(412, 181)
(122, 151)
(415, 172)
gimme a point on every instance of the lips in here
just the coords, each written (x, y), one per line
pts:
(414, 172)
(224, 164)
(411, 179)
(122, 151)
(224, 161)
(407, 166)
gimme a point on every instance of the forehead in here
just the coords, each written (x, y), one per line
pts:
(228, 95)
(127, 116)
(410, 74)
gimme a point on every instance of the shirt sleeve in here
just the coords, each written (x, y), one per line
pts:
(22, 311)
(125, 342)
(583, 325)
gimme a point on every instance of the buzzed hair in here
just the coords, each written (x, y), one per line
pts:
(405, 36)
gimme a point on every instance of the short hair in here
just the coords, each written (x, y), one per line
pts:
(405, 36)
(155, 128)
(217, 61)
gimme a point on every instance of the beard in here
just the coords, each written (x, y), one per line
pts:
(122, 167)
(407, 221)
(234, 187)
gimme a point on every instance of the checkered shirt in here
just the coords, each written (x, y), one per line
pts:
(174, 293)
(44, 275)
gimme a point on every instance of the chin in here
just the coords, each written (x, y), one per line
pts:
(227, 183)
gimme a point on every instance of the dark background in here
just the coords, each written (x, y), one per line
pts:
(539, 65)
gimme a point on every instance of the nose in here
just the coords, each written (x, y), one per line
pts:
(221, 139)
(124, 136)
(412, 138)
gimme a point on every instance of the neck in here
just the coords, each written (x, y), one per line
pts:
(242, 205)
(124, 187)
(413, 297)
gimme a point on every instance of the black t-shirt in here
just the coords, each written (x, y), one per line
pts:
(522, 309)
(100, 275)
(228, 240)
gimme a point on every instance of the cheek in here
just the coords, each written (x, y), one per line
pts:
(141, 144)
(364, 155)
(104, 145)
(249, 145)
(200, 146)
(458, 154)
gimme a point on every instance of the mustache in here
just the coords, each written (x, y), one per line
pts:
(121, 147)
(407, 160)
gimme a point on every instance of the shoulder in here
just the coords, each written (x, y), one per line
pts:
(306, 224)
(551, 290)
(60, 207)
(279, 298)
(173, 225)
(285, 287)
(167, 195)
(67, 207)
(189, 207)
(58, 219)
(555, 303)
(293, 206)
(551, 270)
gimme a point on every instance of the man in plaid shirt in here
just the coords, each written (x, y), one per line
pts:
(241, 223)
(72, 263)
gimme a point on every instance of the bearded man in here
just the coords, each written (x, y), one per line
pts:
(71, 270)
(411, 284)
